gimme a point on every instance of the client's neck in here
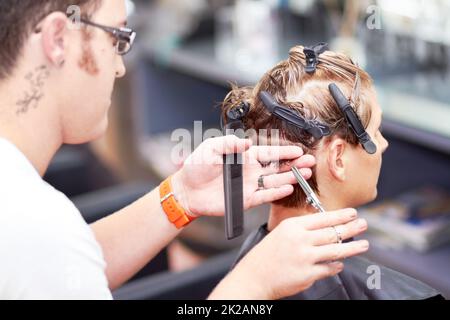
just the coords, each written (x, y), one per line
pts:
(279, 213)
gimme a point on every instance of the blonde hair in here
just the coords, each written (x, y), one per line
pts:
(309, 96)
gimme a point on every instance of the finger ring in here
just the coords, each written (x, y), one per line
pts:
(261, 183)
(338, 235)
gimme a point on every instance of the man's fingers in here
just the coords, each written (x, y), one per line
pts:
(303, 162)
(229, 144)
(328, 219)
(280, 179)
(330, 235)
(271, 195)
(340, 251)
(325, 270)
(276, 153)
(306, 161)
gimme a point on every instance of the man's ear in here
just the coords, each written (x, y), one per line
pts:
(53, 30)
(337, 158)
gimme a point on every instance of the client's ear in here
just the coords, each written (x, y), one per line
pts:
(337, 158)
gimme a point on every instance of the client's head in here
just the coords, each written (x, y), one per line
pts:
(345, 174)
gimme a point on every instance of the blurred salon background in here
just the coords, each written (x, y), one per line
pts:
(187, 54)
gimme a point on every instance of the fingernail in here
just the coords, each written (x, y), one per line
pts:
(365, 244)
(362, 224)
(352, 213)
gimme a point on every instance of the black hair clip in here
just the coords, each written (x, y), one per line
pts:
(353, 120)
(239, 112)
(312, 54)
(313, 127)
(236, 114)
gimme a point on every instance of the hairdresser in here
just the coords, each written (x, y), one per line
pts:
(56, 80)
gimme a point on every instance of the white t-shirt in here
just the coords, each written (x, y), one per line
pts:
(47, 251)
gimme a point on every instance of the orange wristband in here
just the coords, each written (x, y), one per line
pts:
(175, 213)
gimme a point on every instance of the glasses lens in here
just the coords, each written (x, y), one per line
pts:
(123, 47)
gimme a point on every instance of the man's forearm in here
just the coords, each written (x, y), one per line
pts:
(133, 236)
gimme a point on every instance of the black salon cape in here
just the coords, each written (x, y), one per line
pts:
(351, 284)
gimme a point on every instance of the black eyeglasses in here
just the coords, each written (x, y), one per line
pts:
(124, 36)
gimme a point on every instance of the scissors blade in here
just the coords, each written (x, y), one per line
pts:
(311, 197)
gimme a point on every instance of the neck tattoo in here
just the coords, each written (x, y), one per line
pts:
(34, 94)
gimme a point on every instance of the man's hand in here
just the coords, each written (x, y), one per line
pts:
(293, 256)
(198, 186)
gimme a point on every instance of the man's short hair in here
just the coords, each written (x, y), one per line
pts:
(18, 18)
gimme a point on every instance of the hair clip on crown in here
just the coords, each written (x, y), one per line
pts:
(312, 56)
